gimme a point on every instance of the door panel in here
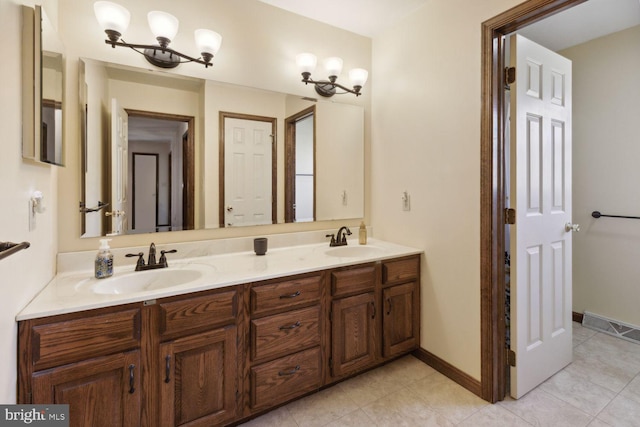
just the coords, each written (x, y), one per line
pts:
(119, 156)
(102, 392)
(248, 172)
(541, 334)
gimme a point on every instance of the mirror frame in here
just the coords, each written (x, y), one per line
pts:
(31, 82)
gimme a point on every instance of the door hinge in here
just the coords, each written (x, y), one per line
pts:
(509, 216)
(511, 357)
(510, 75)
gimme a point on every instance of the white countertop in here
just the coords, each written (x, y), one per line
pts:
(73, 291)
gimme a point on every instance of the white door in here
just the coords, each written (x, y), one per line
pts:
(248, 170)
(119, 153)
(541, 317)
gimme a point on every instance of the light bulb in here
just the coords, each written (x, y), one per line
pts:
(163, 25)
(306, 62)
(333, 65)
(358, 76)
(112, 16)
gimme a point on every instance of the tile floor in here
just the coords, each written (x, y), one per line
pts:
(600, 388)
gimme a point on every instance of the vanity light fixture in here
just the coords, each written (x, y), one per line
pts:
(307, 63)
(114, 19)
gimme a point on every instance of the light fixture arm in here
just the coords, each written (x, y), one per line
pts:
(321, 86)
(204, 60)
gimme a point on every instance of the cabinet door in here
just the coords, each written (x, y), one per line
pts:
(353, 334)
(104, 391)
(400, 320)
(199, 375)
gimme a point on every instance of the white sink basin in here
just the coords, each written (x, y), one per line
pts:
(142, 281)
(353, 251)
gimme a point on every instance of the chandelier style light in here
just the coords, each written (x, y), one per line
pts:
(114, 19)
(307, 64)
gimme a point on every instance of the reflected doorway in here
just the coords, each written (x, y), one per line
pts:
(300, 182)
(248, 170)
(162, 197)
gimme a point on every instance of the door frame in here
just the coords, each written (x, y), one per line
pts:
(290, 162)
(492, 170)
(274, 161)
(188, 161)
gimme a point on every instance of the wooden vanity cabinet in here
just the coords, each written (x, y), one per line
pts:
(401, 306)
(198, 369)
(353, 318)
(216, 357)
(285, 335)
(90, 360)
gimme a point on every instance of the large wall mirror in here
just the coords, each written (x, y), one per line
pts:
(43, 88)
(163, 152)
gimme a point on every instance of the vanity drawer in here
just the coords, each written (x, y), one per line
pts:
(285, 378)
(403, 269)
(353, 281)
(283, 295)
(277, 335)
(67, 341)
(192, 313)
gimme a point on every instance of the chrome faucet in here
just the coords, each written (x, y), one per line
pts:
(341, 239)
(151, 262)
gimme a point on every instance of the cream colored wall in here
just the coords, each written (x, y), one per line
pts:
(23, 274)
(426, 140)
(258, 50)
(606, 173)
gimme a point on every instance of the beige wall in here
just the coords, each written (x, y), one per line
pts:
(23, 274)
(426, 140)
(606, 173)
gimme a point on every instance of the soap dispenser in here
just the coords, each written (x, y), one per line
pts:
(362, 234)
(104, 260)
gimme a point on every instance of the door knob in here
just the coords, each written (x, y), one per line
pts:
(114, 213)
(571, 227)
(229, 208)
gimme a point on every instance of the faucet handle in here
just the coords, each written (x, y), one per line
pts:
(333, 239)
(163, 258)
(140, 262)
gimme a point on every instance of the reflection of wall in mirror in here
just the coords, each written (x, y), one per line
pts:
(339, 158)
(340, 149)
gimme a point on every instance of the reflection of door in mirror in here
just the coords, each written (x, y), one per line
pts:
(248, 190)
(161, 197)
(119, 158)
(300, 191)
(145, 200)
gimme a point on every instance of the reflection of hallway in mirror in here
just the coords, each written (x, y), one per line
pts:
(159, 199)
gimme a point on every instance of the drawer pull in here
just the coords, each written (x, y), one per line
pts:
(296, 294)
(291, 372)
(295, 325)
(132, 379)
(167, 377)
(373, 308)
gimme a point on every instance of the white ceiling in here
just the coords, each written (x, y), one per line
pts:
(364, 17)
(590, 20)
(587, 21)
